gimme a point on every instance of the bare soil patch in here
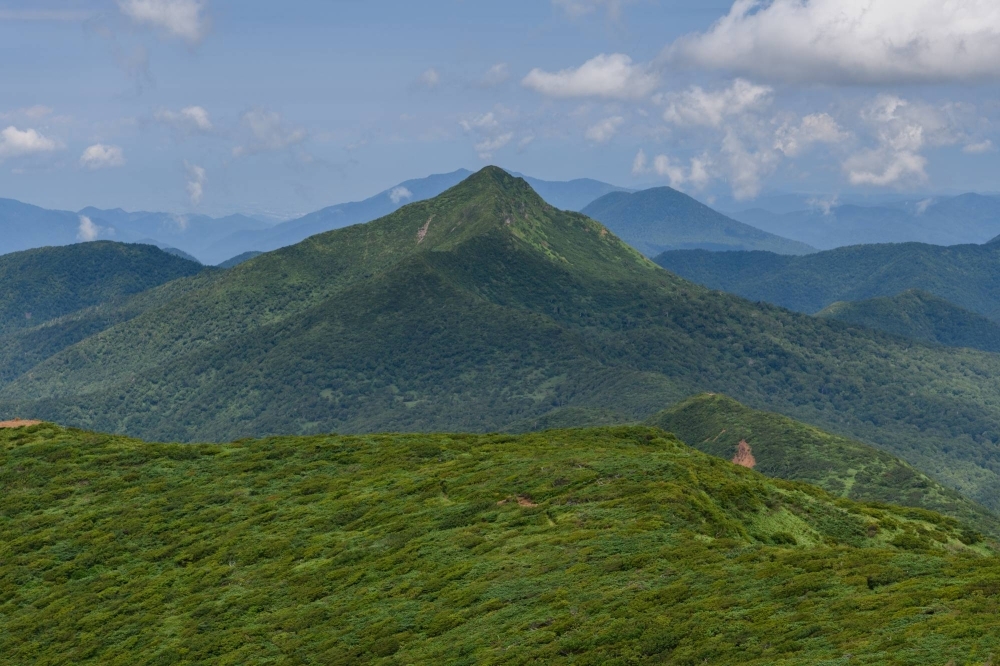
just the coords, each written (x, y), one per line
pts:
(17, 423)
(744, 456)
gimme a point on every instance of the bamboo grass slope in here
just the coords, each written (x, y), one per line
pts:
(603, 546)
(786, 449)
(485, 309)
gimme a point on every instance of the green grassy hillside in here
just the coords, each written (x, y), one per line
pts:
(786, 449)
(607, 546)
(50, 282)
(966, 275)
(485, 309)
(662, 219)
(922, 316)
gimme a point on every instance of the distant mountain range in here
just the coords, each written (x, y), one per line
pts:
(969, 218)
(217, 240)
(966, 275)
(660, 219)
(483, 309)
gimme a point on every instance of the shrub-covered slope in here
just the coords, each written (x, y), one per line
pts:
(486, 309)
(616, 545)
(922, 316)
(662, 219)
(966, 275)
(46, 283)
(786, 449)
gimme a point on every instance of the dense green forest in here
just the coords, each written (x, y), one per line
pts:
(50, 282)
(786, 449)
(662, 218)
(606, 546)
(966, 275)
(485, 309)
(922, 316)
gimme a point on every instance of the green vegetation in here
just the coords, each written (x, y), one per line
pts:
(921, 316)
(239, 259)
(966, 275)
(606, 546)
(485, 309)
(662, 219)
(786, 449)
(50, 282)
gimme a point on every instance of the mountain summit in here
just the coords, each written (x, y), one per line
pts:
(486, 309)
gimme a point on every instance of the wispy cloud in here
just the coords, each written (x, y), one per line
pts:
(196, 178)
(184, 19)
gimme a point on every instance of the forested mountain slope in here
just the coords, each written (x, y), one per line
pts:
(485, 308)
(966, 275)
(922, 316)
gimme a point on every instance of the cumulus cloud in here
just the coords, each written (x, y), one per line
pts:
(18, 143)
(824, 204)
(603, 131)
(430, 78)
(400, 194)
(195, 182)
(190, 119)
(696, 174)
(640, 164)
(697, 106)
(794, 138)
(851, 41)
(901, 130)
(184, 19)
(100, 156)
(605, 76)
(87, 231)
(748, 165)
(267, 132)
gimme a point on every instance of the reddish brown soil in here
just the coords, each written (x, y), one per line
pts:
(744, 456)
(18, 423)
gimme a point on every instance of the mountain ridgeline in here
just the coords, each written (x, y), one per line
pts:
(485, 309)
(662, 218)
(965, 275)
(921, 316)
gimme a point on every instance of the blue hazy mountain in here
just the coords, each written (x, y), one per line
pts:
(661, 219)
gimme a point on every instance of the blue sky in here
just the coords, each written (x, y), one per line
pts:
(220, 106)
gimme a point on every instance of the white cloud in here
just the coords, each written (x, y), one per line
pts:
(400, 194)
(793, 139)
(189, 119)
(100, 156)
(430, 78)
(484, 121)
(747, 166)
(488, 146)
(922, 206)
(496, 75)
(267, 133)
(697, 106)
(826, 204)
(640, 164)
(195, 182)
(17, 143)
(178, 18)
(87, 231)
(603, 131)
(979, 148)
(901, 130)
(606, 76)
(577, 8)
(851, 41)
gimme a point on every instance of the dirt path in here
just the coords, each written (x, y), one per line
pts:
(17, 423)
